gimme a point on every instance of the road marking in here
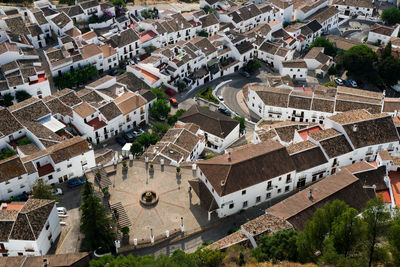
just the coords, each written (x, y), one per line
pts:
(62, 240)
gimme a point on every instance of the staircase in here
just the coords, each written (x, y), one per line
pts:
(123, 220)
(104, 180)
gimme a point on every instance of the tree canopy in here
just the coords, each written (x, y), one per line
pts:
(160, 108)
(391, 16)
(359, 60)
(329, 50)
(42, 190)
(95, 221)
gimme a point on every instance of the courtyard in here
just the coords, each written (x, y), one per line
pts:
(174, 200)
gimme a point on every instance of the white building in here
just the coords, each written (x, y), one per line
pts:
(296, 69)
(220, 131)
(350, 8)
(28, 228)
(381, 34)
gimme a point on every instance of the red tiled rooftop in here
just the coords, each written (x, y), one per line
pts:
(41, 78)
(14, 206)
(395, 182)
(385, 195)
(304, 133)
(145, 36)
(45, 169)
(150, 77)
(96, 123)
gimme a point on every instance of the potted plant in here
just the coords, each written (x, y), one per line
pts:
(178, 170)
(151, 166)
(98, 174)
(125, 234)
(106, 191)
(124, 165)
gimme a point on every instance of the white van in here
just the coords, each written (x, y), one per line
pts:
(61, 211)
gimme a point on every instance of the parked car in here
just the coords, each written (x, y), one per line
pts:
(23, 197)
(353, 83)
(130, 136)
(131, 61)
(220, 98)
(225, 111)
(61, 211)
(170, 92)
(244, 73)
(346, 83)
(338, 81)
(57, 191)
(121, 141)
(74, 182)
(173, 102)
(113, 72)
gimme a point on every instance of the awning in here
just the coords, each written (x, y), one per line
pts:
(52, 124)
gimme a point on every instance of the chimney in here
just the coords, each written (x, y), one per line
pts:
(222, 183)
(310, 194)
(229, 156)
(355, 128)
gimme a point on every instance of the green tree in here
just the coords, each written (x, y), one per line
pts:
(389, 70)
(203, 33)
(394, 240)
(160, 108)
(375, 216)
(22, 95)
(347, 231)
(95, 222)
(149, 50)
(391, 16)
(8, 99)
(387, 51)
(329, 50)
(172, 119)
(160, 128)
(253, 65)
(242, 122)
(159, 93)
(278, 247)
(136, 148)
(312, 238)
(147, 139)
(359, 60)
(330, 84)
(42, 190)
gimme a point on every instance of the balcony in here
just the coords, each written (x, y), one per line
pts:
(269, 188)
(288, 181)
(45, 169)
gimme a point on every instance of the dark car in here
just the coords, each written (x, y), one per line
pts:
(75, 182)
(347, 83)
(244, 73)
(113, 72)
(225, 111)
(121, 141)
(130, 136)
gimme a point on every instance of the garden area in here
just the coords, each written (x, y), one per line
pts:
(206, 94)
(76, 77)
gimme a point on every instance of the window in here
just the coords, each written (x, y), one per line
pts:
(7, 182)
(231, 206)
(314, 178)
(279, 190)
(50, 177)
(58, 170)
(269, 186)
(22, 186)
(69, 165)
(287, 188)
(244, 192)
(9, 191)
(20, 177)
(47, 226)
(288, 180)
(245, 204)
(268, 196)
(258, 199)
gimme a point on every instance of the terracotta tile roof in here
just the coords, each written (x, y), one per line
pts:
(228, 241)
(305, 155)
(391, 104)
(110, 111)
(226, 176)
(324, 14)
(31, 219)
(266, 224)
(299, 208)
(129, 102)
(209, 121)
(90, 35)
(324, 134)
(68, 149)
(90, 50)
(61, 20)
(8, 123)
(336, 146)
(84, 110)
(107, 50)
(10, 168)
(272, 96)
(70, 99)
(382, 29)
(100, 81)
(32, 111)
(295, 63)
(132, 82)
(57, 107)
